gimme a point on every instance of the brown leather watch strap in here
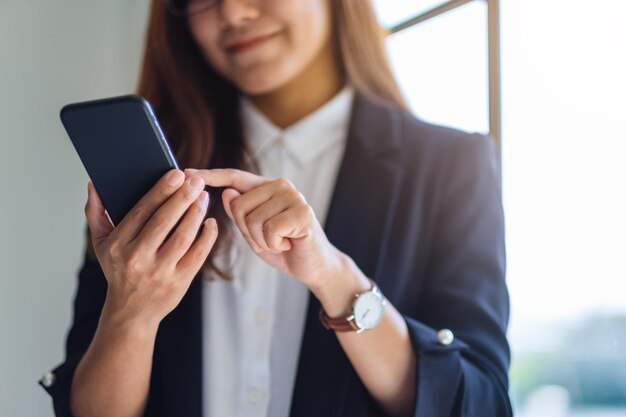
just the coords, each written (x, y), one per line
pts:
(344, 323)
(338, 324)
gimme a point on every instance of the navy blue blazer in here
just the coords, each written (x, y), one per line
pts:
(419, 209)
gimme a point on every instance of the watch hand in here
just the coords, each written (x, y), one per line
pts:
(365, 314)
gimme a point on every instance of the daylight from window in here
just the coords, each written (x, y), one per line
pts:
(564, 179)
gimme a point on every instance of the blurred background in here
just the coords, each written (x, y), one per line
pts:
(563, 147)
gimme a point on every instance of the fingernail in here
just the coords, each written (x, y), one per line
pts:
(191, 170)
(196, 183)
(203, 198)
(211, 224)
(174, 178)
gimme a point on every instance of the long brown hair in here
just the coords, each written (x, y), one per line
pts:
(198, 109)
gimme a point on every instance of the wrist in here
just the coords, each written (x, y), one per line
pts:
(337, 290)
(123, 322)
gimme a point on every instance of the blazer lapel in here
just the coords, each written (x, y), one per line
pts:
(364, 195)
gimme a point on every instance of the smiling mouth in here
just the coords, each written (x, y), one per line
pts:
(249, 44)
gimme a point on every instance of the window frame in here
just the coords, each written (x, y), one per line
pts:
(494, 67)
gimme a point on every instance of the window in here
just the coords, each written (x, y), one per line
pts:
(446, 81)
(392, 12)
(563, 150)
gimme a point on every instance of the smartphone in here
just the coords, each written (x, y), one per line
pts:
(122, 147)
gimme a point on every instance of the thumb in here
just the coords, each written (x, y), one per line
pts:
(229, 195)
(99, 222)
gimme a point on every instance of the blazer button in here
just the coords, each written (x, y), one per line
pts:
(445, 337)
(48, 379)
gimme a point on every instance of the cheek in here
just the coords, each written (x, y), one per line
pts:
(310, 19)
(207, 37)
(312, 28)
(308, 27)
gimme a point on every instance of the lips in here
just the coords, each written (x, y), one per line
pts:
(244, 44)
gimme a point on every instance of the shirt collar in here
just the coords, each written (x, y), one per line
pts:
(305, 139)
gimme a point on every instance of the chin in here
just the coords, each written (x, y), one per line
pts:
(263, 81)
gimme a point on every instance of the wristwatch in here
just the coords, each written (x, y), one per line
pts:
(367, 311)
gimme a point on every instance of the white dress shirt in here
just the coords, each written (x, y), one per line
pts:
(253, 325)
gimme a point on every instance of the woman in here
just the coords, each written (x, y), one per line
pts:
(395, 306)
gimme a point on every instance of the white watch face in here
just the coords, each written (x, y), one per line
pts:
(368, 310)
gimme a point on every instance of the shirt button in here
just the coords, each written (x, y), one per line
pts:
(445, 337)
(260, 315)
(48, 379)
(254, 395)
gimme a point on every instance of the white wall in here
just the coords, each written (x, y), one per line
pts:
(51, 53)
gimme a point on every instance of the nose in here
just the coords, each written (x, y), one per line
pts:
(236, 13)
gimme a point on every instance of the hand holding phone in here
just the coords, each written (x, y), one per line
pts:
(151, 255)
(148, 272)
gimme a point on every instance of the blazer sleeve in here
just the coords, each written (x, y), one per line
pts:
(88, 302)
(464, 291)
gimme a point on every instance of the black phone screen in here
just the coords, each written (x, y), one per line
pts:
(122, 147)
